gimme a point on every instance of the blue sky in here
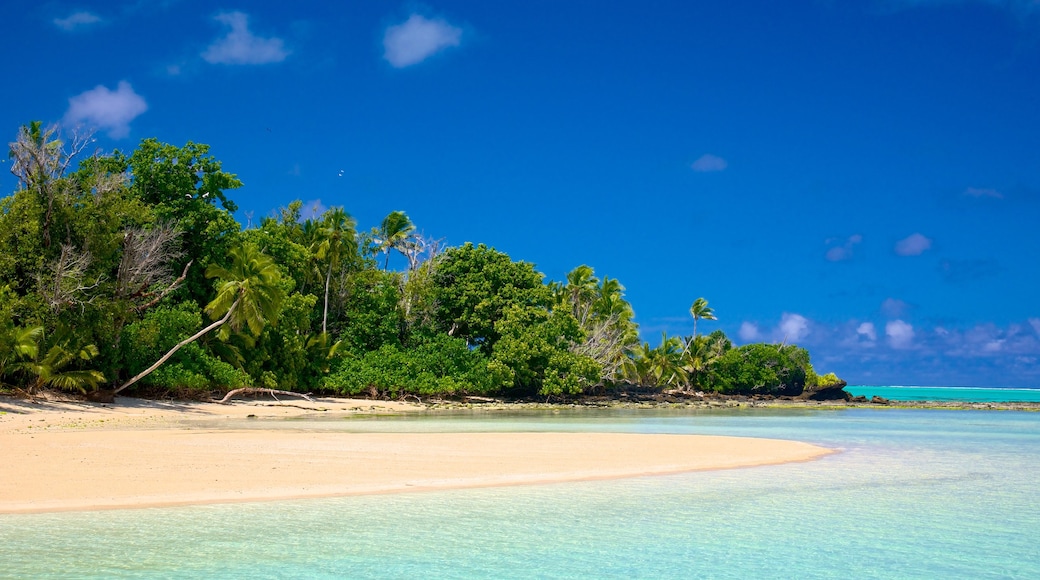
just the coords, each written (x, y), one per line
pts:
(861, 178)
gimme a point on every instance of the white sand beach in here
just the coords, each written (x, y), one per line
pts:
(63, 456)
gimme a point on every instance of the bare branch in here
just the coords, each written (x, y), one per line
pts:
(65, 283)
(147, 255)
(173, 286)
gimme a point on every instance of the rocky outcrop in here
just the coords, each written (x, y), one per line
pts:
(832, 392)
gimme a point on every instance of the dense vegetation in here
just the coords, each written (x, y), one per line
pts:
(129, 272)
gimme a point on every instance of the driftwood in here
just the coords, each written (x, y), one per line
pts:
(258, 391)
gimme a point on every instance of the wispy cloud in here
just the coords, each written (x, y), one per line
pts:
(241, 46)
(900, 334)
(417, 39)
(110, 111)
(867, 330)
(749, 332)
(77, 20)
(707, 163)
(913, 245)
(844, 251)
(983, 192)
(1035, 323)
(793, 327)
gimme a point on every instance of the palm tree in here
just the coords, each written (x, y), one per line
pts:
(249, 295)
(18, 347)
(699, 353)
(655, 366)
(700, 309)
(336, 230)
(48, 371)
(395, 229)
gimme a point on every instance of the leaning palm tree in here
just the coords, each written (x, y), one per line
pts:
(249, 295)
(395, 229)
(700, 309)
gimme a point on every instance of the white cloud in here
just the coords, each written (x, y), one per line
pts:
(418, 38)
(110, 111)
(77, 20)
(844, 251)
(900, 334)
(241, 46)
(983, 192)
(708, 162)
(1035, 323)
(793, 327)
(867, 329)
(749, 332)
(913, 245)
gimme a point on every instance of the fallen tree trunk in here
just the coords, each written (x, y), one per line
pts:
(259, 391)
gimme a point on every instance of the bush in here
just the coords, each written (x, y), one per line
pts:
(761, 369)
(438, 365)
(191, 368)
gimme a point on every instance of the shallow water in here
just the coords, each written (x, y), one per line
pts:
(914, 494)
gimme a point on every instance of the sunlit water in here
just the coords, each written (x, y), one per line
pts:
(913, 494)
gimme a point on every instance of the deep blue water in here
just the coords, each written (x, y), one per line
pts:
(913, 494)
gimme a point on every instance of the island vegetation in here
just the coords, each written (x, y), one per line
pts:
(128, 273)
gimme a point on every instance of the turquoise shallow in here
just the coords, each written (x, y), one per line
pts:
(966, 394)
(913, 494)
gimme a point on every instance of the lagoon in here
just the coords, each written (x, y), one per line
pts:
(913, 494)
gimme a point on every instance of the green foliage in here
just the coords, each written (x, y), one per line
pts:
(183, 186)
(290, 355)
(604, 315)
(191, 368)
(535, 346)
(437, 365)
(473, 287)
(661, 366)
(762, 369)
(248, 290)
(370, 315)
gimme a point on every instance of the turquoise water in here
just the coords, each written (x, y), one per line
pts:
(913, 494)
(967, 394)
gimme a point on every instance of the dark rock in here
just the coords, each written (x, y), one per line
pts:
(834, 392)
(859, 399)
(879, 400)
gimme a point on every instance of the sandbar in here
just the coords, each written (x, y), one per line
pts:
(65, 456)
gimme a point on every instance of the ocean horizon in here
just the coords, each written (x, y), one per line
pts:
(912, 493)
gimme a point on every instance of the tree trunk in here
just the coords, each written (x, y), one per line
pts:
(325, 313)
(180, 344)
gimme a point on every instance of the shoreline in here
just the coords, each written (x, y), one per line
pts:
(70, 456)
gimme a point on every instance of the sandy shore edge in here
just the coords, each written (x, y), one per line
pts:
(67, 456)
